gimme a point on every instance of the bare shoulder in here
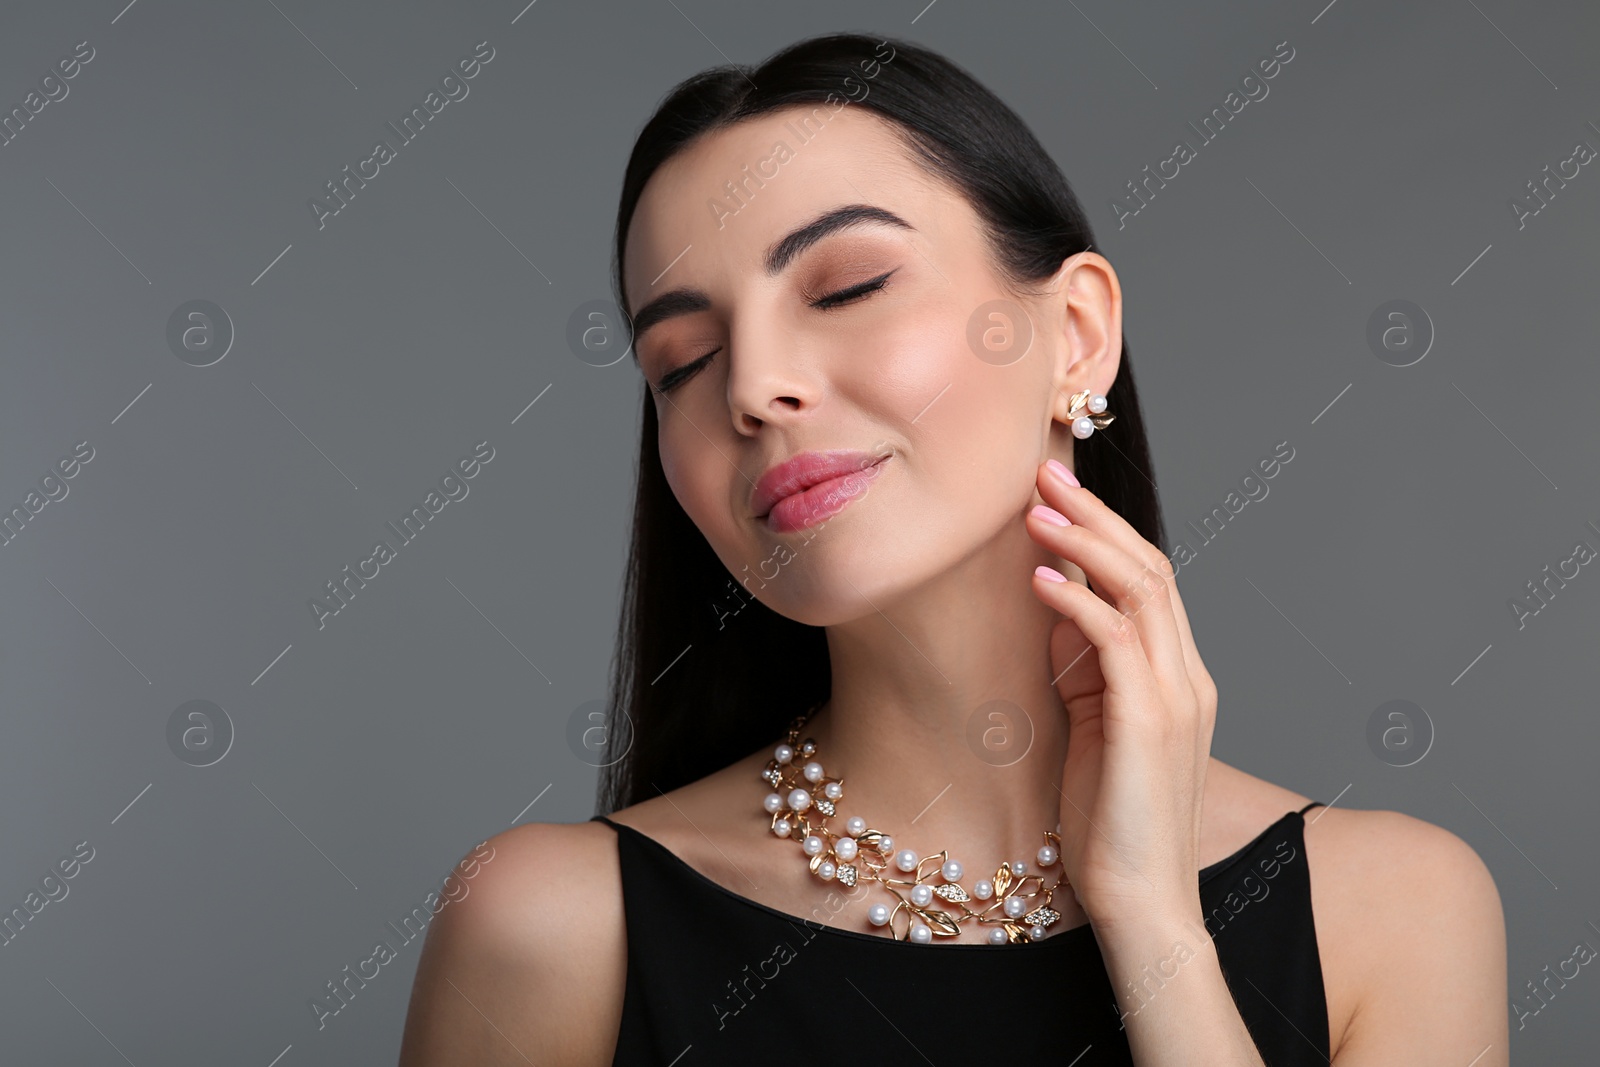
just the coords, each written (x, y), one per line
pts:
(1409, 925)
(1415, 936)
(526, 960)
(1237, 807)
(687, 819)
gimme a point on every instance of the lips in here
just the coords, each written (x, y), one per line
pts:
(806, 470)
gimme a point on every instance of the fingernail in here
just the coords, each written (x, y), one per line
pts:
(1050, 515)
(1049, 574)
(1061, 469)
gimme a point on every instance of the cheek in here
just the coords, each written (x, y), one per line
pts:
(687, 474)
(976, 425)
(700, 480)
(908, 366)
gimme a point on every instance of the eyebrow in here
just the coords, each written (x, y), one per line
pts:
(785, 250)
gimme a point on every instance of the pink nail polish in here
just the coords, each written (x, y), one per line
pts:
(1050, 515)
(1061, 469)
(1049, 574)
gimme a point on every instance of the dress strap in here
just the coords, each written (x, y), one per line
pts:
(608, 822)
(1308, 807)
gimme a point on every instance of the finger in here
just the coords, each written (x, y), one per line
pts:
(1126, 585)
(1085, 508)
(1095, 513)
(1191, 654)
(1120, 654)
(1075, 669)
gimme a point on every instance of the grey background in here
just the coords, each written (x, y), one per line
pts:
(374, 353)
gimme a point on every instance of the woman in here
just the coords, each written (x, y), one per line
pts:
(896, 600)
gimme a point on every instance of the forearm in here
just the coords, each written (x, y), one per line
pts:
(1175, 1005)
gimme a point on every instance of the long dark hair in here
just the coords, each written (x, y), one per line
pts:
(694, 686)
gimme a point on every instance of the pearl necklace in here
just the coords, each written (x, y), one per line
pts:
(804, 801)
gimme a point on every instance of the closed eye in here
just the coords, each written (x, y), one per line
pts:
(672, 379)
(854, 292)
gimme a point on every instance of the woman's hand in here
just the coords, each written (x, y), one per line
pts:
(1140, 706)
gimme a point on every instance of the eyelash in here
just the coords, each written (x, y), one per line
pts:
(854, 292)
(832, 301)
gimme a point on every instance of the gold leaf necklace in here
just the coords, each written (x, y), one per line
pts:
(930, 899)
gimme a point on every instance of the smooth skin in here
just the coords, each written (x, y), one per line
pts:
(928, 589)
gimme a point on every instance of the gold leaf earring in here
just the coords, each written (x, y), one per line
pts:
(1097, 419)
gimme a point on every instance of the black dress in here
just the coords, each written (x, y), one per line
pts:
(717, 978)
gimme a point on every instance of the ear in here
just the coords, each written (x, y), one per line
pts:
(1085, 304)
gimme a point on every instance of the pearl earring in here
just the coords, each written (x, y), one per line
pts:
(1084, 425)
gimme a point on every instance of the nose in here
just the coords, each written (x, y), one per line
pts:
(769, 380)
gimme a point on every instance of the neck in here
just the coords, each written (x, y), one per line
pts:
(943, 723)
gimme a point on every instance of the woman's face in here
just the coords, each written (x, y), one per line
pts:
(868, 340)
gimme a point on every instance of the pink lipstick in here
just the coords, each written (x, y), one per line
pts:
(812, 487)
